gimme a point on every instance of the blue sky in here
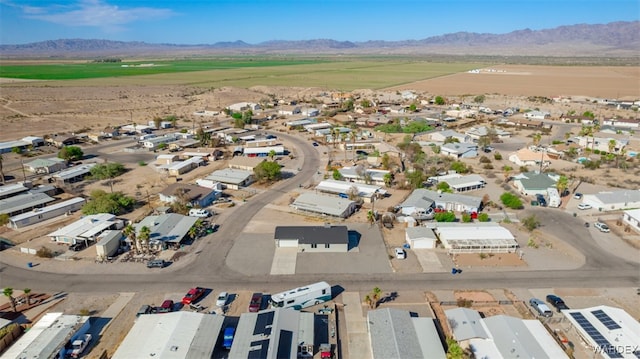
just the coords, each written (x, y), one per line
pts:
(211, 21)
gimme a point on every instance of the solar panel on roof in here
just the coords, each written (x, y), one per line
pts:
(263, 320)
(602, 342)
(285, 343)
(605, 319)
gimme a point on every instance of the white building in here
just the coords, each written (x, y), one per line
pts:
(421, 237)
(362, 175)
(177, 335)
(396, 334)
(87, 228)
(48, 336)
(632, 218)
(480, 237)
(609, 331)
(364, 191)
(38, 215)
(614, 200)
(526, 157)
(325, 205)
(602, 143)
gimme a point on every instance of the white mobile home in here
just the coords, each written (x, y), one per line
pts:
(38, 215)
(554, 197)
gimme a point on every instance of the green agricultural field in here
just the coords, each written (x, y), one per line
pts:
(341, 74)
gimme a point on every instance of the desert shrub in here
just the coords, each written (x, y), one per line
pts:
(445, 217)
(530, 223)
(483, 217)
(485, 159)
(510, 200)
(466, 218)
(44, 252)
(464, 303)
(488, 166)
(497, 156)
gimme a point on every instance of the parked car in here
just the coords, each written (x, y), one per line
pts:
(80, 345)
(255, 304)
(78, 246)
(145, 309)
(557, 302)
(540, 307)
(221, 301)
(199, 212)
(227, 338)
(584, 206)
(156, 263)
(315, 144)
(577, 195)
(602, 227)
(541, 200)
(166, 307)
(192, 295)
(400, 253)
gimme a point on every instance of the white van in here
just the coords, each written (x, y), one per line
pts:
(199, 212)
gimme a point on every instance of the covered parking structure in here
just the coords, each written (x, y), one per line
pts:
(483, 237)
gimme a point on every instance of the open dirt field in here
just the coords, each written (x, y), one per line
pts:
(549, 81)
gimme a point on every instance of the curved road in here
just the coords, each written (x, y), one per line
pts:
(207, 268)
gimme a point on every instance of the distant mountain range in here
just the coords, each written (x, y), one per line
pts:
(616, 39)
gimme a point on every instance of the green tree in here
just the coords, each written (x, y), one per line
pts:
(385, 161)
(484, 141)
(612, 145)
(562, 184)
(479, 99)
(536, 138)
(70, 153)
(530, 223)
(510, 200)
(238, 123)
(439, 100)
(107, 171)
(451, 140)
(483, 217)
(445, 217)
(16, 150)
(337, 175)
(27, 293)
(507, 172)
(8, 292)
(413, 107)
(102, 202)
(143, 236)
(466, 218)
(272, 154)
(267, 171)
(388, 179)
(415, 178)
(246, 116)
(4, 219)
(371, 217)
(444, 187)
(454, 351)
(129, 231)
(459, 167)
(376, 294)
(365, 103)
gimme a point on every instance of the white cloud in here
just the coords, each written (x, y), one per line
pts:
(93, 13)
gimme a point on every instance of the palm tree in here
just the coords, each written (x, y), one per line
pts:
(272, 154)
(368, 300)
(507, 171)
(143, 236)
(536, 138)
(27, 292)
(8, 292)
(193, 232)
(130, 232)
(612, 145)
(375, 296)
(562, 184)
(371, 217)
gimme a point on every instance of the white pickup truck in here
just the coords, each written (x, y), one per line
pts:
(79, 345)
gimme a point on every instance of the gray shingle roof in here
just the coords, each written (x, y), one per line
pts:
(313, 234)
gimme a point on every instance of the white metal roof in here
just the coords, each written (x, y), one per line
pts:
(229, 175)
(465, 181)
(45, 336)
(24, 201)
(74, 171)
(481, 234)
(466, 324)
(351, 172)
(86, 226)
(185, 163)
(174, 335)
(11, 189)
(169, 227)
(333, 186)
(258, 150)
(53, 207)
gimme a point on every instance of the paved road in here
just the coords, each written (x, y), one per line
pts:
(601, 269)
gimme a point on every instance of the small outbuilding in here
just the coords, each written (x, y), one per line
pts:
(232, 178)
(194, 195)
(481, 237)
(421, 237)
(45, 165)
(325, 205)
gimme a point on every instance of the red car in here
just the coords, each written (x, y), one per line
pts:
(193, 295)
(256, 302)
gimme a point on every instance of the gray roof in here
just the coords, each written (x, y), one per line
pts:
(74, 171)
(11, 189)
(532, 180)
(395, 334)
(229, 175)
(512, 338)
(170, 227)
(464, 181)
(330, 205)
(270, 334)
(23, 202)
(456, 147)
(418, 198)
(314, 234)
(420, 232)
(44, 162)
(622, 196)
(465, 324)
